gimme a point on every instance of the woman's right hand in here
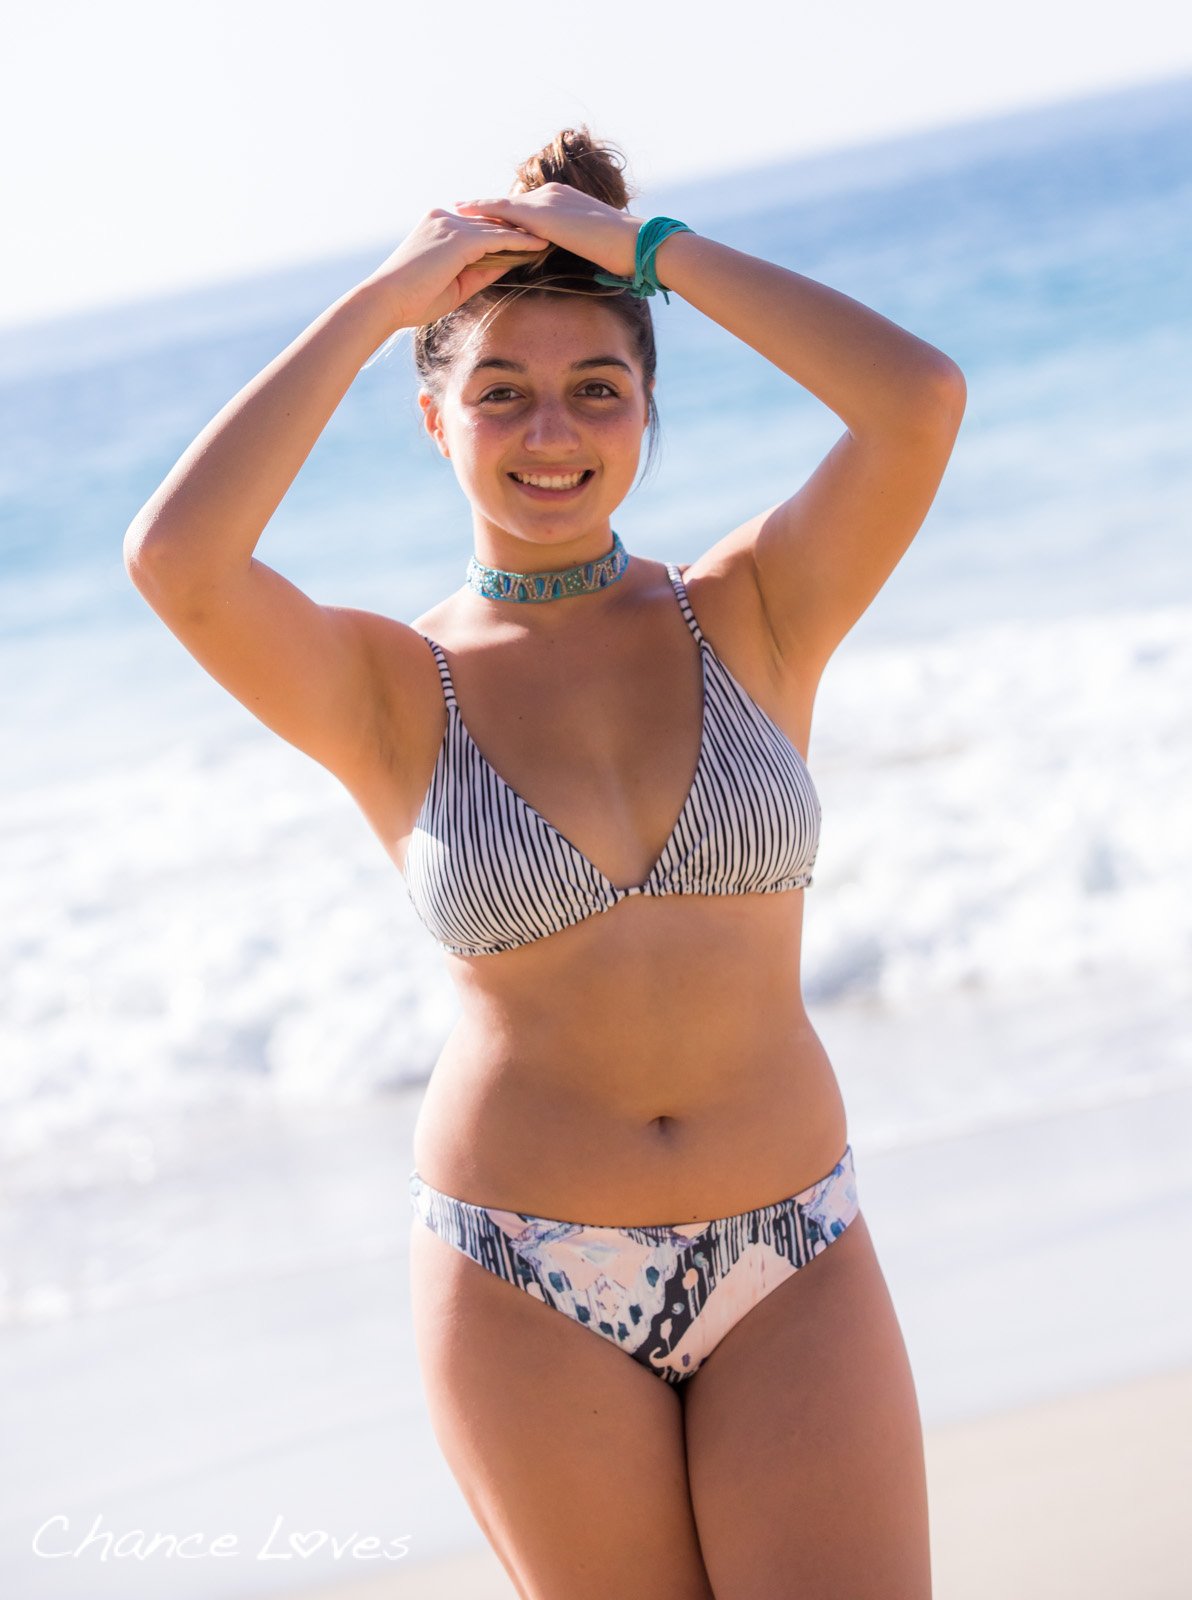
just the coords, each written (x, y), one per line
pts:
(446, 259)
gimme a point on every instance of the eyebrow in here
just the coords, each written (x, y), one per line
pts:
(576, 366)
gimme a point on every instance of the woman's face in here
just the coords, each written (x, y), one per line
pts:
(567, 397)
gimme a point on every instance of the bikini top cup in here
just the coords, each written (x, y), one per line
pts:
(486, 872)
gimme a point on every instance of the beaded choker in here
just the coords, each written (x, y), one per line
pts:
(584, 578)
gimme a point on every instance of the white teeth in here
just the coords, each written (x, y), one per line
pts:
(550, 483)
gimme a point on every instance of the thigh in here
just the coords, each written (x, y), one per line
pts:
(569, 1452)
(804, 1442)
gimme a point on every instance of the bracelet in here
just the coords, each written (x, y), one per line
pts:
(645, 280)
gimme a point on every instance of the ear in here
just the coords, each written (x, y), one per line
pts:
(433, 420)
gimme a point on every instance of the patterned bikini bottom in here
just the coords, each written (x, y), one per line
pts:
(664, 1295)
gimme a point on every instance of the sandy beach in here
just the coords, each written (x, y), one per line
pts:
(1083, 1498)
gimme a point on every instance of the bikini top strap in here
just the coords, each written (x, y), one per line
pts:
(444, 671)
(680, 589)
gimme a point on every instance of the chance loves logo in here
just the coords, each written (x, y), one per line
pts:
(52, 1542)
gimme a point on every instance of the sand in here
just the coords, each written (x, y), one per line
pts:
(1081, 1498)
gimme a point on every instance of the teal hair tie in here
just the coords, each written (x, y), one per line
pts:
(645, 280)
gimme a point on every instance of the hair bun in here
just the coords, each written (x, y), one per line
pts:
(593, 166)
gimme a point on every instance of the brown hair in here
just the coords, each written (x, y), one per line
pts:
(594, 167)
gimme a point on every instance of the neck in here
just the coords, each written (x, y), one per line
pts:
(551, 585)
(553, 600)
(493, 547)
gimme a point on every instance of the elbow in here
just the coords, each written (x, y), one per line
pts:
(146, 555)
(135, 551)
(939, 403)
(957, 380)
(951, 388)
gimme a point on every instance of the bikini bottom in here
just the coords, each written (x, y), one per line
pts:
(664, 1295)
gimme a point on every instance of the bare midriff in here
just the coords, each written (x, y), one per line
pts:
(651, 1065)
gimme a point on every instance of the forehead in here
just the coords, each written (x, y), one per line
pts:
(547, 336)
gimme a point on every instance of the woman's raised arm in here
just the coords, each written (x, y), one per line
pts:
(306, 670)
(312, 673)
(820, 557)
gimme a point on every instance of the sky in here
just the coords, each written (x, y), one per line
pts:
(150, 147)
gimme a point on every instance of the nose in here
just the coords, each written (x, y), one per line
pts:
(550, 430)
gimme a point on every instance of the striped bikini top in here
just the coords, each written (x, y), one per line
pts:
(486, 872)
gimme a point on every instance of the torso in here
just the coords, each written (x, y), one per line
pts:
(653, 1063)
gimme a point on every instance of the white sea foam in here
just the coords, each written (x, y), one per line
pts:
(1005, 813)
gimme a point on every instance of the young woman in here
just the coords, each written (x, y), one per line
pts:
(659, 1351)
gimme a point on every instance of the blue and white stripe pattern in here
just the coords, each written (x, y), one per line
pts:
(486, 872)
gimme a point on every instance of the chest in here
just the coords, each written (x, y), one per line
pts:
(608, 758)
(745, 820)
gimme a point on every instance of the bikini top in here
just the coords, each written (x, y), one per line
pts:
(486, 872)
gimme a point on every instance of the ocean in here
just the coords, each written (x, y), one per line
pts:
(218, 1007)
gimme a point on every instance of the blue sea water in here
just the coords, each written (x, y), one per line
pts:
(197, 923)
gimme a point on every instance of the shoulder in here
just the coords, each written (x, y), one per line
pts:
(442, 617)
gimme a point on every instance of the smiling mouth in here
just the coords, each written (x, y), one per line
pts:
(553, 486)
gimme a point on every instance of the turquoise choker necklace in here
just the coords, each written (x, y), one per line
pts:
(584, 578)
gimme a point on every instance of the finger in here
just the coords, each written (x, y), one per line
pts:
(509, 230)
(479, 205)
(521, 236)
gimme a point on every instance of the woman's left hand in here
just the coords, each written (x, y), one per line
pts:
(571, 219)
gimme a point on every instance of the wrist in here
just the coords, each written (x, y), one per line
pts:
(372, 304)
(648, 236)
(666, 252)
(633, 228)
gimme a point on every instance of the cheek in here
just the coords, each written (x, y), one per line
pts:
(470, 444)
(630, 433)
(480, 432)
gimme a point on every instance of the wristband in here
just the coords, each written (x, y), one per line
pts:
(644, 281)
